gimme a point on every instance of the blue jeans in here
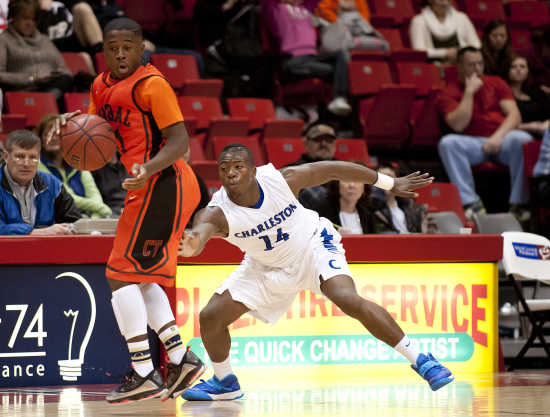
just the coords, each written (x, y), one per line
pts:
(542, 166)
(460, 152)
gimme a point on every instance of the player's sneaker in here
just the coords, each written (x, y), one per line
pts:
(135, 387)
(214, 389)
(181, 376)
(432, 371)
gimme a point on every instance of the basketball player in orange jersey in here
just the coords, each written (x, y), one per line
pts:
(143, 111)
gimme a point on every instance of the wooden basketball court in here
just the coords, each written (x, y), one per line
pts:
(520, 393)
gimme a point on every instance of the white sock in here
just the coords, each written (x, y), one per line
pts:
(159, 313)
(131, 316)
(407, 349)
(175, 348)
(141, 357)
(222, 369)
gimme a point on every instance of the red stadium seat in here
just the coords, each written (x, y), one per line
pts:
(534, 13)
(352, 150)
(76, 62)
(13, 121)
(33, 105)
(441, 196)
(521, 40)
(423, 75)
(283, 151)
(100, 63)
(207, 170)
(393, 36)
(196, 153)
(366, 77)
(77, 101)
(425, 122)
(190, 124)
(261, 114)
(482, 12)
(249, 141)
(399, 10)
(149, 14)
(385, 117)
(182, 73)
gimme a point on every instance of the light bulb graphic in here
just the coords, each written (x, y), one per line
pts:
(70, 369)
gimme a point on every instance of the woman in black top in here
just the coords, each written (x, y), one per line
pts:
(533, 103)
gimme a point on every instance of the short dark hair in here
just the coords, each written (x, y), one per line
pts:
(238, 147)
(23, 138)
(123, 23)
(463, 51)
(15, 7)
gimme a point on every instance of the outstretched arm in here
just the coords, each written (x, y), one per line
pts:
(208, 222)
(317, 173)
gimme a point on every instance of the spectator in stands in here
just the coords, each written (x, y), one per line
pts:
(320, 146)
(539, 59)
(348, 25)
(441, 31)
(533, 103)
(72, 28)
(348, 206)
(31, 202)
(541, 172)
(394, 214)
(290, 22)
(79, 184)
(109, 182)
(482, 112)
(497, 48)
(28, 59)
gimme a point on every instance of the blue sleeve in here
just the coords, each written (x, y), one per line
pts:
(14, 228)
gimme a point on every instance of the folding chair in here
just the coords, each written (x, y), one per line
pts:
(33, 105)
(526, 258)
(283, 151)
(445, 222)
(497, 223)
(182, 73)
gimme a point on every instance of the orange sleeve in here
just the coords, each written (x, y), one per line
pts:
(157, 96)
(328, 10)
(92, 109)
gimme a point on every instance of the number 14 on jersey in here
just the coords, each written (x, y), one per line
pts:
(280, 236)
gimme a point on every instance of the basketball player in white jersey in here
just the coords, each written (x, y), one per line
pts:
(288, 248)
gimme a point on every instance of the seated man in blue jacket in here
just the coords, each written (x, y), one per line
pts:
(31, 202)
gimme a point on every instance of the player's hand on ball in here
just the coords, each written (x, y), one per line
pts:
(404, 186)
(189, 245)
(61, 120)
(140, 177)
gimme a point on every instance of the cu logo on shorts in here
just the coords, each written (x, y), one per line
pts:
(151, 248)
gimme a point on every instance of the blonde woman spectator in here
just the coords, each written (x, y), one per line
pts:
(441, 31)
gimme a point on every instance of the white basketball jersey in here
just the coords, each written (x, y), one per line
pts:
(275, 231)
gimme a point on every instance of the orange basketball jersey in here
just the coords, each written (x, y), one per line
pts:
(154, 216)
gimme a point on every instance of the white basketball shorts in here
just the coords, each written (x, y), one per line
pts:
(269, 292)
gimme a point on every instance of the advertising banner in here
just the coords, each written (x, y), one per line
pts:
(448, 309)
(57, 327)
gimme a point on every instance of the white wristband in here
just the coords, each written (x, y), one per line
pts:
(384, 181)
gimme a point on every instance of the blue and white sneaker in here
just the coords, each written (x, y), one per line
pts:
(214, 389)
(432, 371)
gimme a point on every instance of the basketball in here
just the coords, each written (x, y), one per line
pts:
(87, 142)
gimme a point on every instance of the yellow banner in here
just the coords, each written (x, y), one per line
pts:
(448, 309)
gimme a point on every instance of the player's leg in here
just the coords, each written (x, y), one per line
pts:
(215, 319)
(184, 367)
(131, 315)
(340, 289)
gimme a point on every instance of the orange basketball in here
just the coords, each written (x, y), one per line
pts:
(87, 142)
